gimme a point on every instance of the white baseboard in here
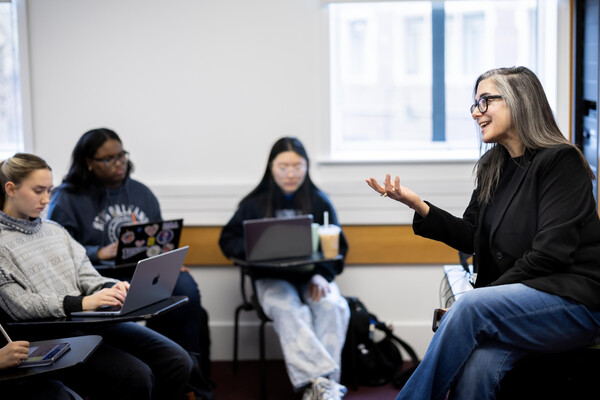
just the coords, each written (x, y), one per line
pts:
(222, 340)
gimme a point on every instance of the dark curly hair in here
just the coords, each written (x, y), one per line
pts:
(80, 178)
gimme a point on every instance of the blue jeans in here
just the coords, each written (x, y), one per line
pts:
(311, 333)
(487, 330)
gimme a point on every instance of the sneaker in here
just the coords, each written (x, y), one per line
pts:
(309, 392)
(326, 389)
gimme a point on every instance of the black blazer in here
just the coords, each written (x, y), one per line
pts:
(546, 233)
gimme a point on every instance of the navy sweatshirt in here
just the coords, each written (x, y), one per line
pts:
(95, 223)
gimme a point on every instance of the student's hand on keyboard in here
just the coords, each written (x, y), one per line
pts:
(105, 297)
(122, 286)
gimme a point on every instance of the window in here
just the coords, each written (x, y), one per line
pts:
(11, 132)
(402, 73)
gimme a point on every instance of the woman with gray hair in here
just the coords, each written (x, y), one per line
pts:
(534, 230)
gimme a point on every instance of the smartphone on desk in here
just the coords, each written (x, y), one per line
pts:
(437, 317)
(44, 354)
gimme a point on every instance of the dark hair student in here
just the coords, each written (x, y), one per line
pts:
(309, 313)
(97, 197)
(268, 187)
(533, 228)
(97, 181)
(81, 175)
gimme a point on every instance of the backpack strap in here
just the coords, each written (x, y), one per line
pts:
(401, 379)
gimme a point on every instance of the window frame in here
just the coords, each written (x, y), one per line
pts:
(444, 152)
(23, 86)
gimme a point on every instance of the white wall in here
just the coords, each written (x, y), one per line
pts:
(201, 87)
(198, 91)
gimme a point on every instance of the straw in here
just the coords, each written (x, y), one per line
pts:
(326, 218)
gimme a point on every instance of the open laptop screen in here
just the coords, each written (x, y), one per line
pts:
(278, 238)
(139, 241)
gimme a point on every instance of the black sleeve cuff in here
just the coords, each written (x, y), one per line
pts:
(73, 304)
(420, 222)
(328, 270)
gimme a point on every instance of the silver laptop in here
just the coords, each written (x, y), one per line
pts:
(153, 280)
(270, 239)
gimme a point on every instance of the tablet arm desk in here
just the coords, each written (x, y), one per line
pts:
(144, 313)
(81, 348)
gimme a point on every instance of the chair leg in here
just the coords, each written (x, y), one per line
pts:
(236, 328)
(263, 368)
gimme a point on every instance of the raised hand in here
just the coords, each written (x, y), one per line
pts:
(399, 193)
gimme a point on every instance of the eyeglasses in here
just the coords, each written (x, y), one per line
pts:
(482, 103)
(285, 169)
(122, 157)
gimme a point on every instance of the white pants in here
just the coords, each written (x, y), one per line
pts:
(311, 333)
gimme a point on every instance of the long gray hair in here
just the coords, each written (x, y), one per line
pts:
(531, 117)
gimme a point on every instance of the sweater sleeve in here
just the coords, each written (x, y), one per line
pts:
(49, 283)
(20, 302)
(89, 279)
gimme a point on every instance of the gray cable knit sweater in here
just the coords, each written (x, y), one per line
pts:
(44, 272)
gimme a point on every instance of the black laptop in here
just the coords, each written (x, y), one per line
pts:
(140, 241)
(279, 242)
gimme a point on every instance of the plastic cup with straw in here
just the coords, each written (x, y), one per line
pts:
(329, 235)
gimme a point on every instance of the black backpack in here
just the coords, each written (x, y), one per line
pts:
(369, 363)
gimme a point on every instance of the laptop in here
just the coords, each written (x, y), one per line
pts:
(153, 280)
(279, 242)
(139, 241)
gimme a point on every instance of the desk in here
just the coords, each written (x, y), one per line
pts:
(81, 348)
(145, 313)
(294, 264)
